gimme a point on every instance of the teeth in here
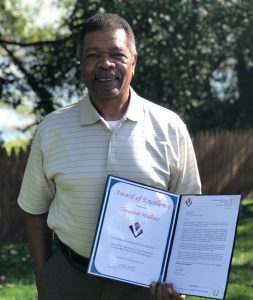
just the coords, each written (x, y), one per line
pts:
(105, 79)
(106, 76)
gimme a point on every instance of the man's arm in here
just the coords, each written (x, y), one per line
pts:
(40, 238)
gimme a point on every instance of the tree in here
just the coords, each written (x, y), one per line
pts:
(180, 44)
(32, 68)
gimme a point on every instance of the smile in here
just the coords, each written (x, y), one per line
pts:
(106, 79)
(107, 76)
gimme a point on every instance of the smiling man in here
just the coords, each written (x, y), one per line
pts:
(108, 60)
(112, 131)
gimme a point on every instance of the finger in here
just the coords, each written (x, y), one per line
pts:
(159, 292)
(170, 293)
(152, 289)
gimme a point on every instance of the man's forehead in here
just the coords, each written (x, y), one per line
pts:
(113, 40)
(117, 37)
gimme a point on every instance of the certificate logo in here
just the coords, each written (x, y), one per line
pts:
(136, 229)
(188, 202)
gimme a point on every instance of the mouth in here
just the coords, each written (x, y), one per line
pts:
(107, 76)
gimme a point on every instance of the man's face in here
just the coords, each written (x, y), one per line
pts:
(107, 65)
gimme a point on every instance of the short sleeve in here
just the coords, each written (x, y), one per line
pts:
(187, 179)
(37, 191)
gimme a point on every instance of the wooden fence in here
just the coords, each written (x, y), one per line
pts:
(225, 162)
(11, 173)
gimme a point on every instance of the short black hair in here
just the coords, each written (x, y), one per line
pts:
(103, 22)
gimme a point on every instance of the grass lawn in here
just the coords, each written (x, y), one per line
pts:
(16, 277)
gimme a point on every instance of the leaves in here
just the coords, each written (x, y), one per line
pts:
(179, 43)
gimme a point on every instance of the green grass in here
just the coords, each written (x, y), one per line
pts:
(16, 276)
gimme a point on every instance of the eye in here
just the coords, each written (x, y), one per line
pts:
(119, 56)
(91, 56)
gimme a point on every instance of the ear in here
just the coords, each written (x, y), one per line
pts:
(134, 62)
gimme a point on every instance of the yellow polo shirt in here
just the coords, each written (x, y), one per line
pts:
(75, 149)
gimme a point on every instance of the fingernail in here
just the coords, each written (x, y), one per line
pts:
(169, 290)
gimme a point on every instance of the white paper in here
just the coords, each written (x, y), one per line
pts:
(203, 243)
(134, 233)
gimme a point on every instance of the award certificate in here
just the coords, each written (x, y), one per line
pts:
(134, 233)
(146, 234)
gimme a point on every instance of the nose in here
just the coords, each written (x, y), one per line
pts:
(106, 61)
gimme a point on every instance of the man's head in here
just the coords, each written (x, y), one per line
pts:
(108, 57)
(104, 22)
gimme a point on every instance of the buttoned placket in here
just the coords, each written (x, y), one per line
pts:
(112, 148)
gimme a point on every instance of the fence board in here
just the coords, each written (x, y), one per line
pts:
(225, 161)
(11, 174)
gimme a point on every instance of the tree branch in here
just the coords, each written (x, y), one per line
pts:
(44, 95)
(34, 44)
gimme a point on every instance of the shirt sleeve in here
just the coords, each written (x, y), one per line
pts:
(37, 191)
(186, 179)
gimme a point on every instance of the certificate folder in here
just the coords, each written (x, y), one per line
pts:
(146, 234)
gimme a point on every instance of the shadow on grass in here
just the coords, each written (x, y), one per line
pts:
(246, 210)
(242, 274)
(239, 292)
(244, 242)
(15, 264)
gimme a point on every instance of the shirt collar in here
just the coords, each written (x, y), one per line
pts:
(89, 114)
(135, 110)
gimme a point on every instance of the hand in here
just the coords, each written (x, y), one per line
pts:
(164, 291)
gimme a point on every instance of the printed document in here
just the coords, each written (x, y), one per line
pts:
(146, 234)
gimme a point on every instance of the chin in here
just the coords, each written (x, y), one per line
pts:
(107, 93)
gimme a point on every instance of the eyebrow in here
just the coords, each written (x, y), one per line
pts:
(99, 49)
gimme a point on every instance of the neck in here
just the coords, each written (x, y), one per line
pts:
(111, 109)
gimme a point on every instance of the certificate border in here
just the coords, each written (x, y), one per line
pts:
(111, 181)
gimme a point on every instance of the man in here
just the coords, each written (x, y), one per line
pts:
(110, 131)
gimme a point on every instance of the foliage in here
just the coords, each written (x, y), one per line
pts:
(16, 146)
(180, 44)
(16, 279)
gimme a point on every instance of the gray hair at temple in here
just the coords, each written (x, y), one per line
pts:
(104, 22)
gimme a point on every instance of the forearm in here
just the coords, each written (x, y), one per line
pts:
(39, 239)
